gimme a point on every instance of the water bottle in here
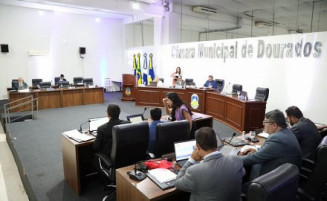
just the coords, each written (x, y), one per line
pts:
(243, 135)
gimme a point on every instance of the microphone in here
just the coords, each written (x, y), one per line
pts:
(232, 138)
(144, 112)
(80, 126)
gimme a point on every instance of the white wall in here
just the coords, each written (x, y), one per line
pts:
(59, 36)
(295, 80)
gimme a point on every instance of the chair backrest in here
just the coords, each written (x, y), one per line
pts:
(318, 178)
(14, 83)
(63, 84)
(168, 133)
(56, 79)
(88, 81)
(279, 184)
(78, 80)
(261, 94)
(220, 84)
(236, 88)
(188, 81)
(45, 85)
(162, 80)
(36, 82)
(129, 143)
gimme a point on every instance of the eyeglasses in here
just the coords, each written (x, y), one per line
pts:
(267, 122)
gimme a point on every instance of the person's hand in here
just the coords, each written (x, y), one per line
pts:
(321, 127)
(195, 155)
(164, 100)
(248, 151)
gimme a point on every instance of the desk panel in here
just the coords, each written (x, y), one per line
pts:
(72, 97)
(93, 95)
(49, 99)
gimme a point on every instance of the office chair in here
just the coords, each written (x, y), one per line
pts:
(129, 145)
(279, 184)
(236, 88)
(313, 180)
(88, 81)
(162, 80)
(78, 80)
(14, 84)
(261, 94)
(168, 133)
(45, 85)
(56, 79)
(36, 82)
(189, 82)
(63, 84)
(220, 84)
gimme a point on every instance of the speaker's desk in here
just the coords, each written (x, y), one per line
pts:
(78, 156)
(57, 98)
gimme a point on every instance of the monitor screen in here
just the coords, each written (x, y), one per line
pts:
(183, 150)
(96, 122)
(78, 80)
(36, 82)
(63, 84)
(135, 118)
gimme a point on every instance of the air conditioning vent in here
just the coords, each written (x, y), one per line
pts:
(205, 10)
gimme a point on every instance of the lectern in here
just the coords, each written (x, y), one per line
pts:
(129, 82)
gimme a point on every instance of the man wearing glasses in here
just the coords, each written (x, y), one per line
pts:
(280, 147)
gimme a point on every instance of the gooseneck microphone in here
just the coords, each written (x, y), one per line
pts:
(144, 110)
(80, 126)
(232, 138)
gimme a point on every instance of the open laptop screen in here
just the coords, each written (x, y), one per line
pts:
(135, 118)
(183, 150)
(96, 122)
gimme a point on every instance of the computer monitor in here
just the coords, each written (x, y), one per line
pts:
(36, 82)
(44, 85)
(78, 80)
(88, 81)
(96, 122)
(135, 118)
(63, 84)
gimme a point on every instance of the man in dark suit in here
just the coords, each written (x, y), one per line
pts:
(216, 177)
(103, 141)
(305, 131)
(280, 147)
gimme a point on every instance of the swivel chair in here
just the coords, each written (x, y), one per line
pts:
(261, 94)
(313, 180)
(189, 82)
(88, 81)
(78, 80)
(56, 79)
(129, 146)
(168, 133)
(279, 184)
(236, 88)
(220, 84)
(36, 82)
(14, 84)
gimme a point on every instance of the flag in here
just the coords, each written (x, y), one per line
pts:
(145, 70)
(134, 64)
(151, 71)
(138, 71)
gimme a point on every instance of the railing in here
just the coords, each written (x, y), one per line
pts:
(24, 106)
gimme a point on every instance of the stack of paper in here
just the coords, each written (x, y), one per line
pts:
(77, 136)
(263, 134)
(162, 174)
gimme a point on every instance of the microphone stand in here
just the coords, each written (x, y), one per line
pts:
(80, 126)
(232, 138)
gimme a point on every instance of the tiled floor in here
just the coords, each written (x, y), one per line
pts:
(11, 187)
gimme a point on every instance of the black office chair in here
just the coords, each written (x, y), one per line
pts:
(63, 84)
(88, 81)
(236, 88)
(45, 85)
(220, 84)
(78, 80)
(277, 185)
(129, 145)
(168, 133)
(36, 82)
(313, 180)
(56, 79)
(261, 94)
(14, 84)
(162, 80)
(189, 82)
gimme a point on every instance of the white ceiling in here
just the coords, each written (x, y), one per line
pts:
(285, 15)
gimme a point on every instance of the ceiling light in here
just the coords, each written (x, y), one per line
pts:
(97, 20)
(135, 5)
(41, 12)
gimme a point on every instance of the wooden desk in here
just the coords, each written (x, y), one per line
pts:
(77, 161)
(57, 98)
(152, 96)
(145, 190)
(238, 114)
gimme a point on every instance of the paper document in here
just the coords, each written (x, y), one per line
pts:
(162, 174)
(256, 147)
(79, 137)
(263, 134)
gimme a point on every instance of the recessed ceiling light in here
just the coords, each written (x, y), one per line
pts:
(97, 20)
(135, 5)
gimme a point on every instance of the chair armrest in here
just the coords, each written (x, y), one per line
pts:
(104, 159)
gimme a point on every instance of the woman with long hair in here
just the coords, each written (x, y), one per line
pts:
(177, 108)
(175, 75)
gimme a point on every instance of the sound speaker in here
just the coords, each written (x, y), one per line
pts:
(4, 48)
(82, 50)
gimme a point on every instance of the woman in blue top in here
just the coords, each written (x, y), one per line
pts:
(177, 108)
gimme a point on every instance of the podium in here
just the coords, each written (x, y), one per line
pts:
(129, 82)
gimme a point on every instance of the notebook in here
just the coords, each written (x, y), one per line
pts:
(183, 151)
(94, 123)
(226, 150)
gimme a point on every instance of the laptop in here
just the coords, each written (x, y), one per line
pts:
(94, 123)
(236, 142)
(226, 150)
(135, 118)
(183, 150)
